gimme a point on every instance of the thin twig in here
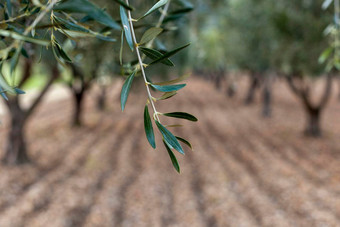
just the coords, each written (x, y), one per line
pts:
(140, 60)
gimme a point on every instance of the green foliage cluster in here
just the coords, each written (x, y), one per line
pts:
(64, 27)
(263, 35)
(144, 50)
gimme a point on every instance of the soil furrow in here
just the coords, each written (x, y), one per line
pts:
(136, 164)
(44, 188)
(252, 165)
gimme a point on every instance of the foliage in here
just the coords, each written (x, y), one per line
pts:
(144, 50)
(331, 55)
(300, 43)
(64, 27)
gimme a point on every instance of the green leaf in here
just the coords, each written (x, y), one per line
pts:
(3, 94)
(61, 53)
(167, 95)
(19, 91)
(74, 30)
(15, 59)
(24, 52)
(126, 6)
(159, 4)
(178, 13)
(325, 55)
(126, 90)
(5, 85)
(121, 48)
(326, 4)
(168, 88)
(185, 142)
(173, 158)
(181, 115)
(65, 24)
(169, 54)
(18, 36)
(74, 34)
(185, 7)
(184, 3)
(175, 81)
(90, 9)
(154, 54)
(169, 138)
(148, 128)
(126, 27)
(9, 7)
(150, 34)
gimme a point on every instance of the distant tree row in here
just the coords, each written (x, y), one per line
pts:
(294, 40)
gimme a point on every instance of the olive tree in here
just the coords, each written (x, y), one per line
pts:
(251, 46)
(300, 35)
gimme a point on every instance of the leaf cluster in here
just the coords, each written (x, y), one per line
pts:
(148, 56)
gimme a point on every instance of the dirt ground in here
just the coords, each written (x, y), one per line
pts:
(244, 170)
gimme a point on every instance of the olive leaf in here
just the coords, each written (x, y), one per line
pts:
(126, 90)
(148, 127)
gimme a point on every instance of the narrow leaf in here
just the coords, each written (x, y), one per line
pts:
(126, 6)
(15, 59)
(173, 126)
(65, 24)
(169, 54)
(121, 48)
(181, 115)
(61, 53)
(126, 27)
(167, 95)
(326, 4)
(169, 138)
(150, 34)
(5, 85)
(18, 36)
(74, 34)
(148, 128)
(159, 4)
(154, 54)
(90, 9)
(175, 81)
(184, 141)
(3, 94)
(173, 158)
(126, 90)
(9, 7)
(168, 88)
(19, 91)
(325, 55)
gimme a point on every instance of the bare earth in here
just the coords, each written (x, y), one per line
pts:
(244, 171)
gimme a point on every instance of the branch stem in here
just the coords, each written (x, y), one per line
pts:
(41, 16)
(140, 60)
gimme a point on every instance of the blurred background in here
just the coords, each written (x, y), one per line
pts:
(264, 85)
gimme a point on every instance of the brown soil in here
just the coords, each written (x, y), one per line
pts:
(244, 171)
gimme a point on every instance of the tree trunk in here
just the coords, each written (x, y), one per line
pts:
(254, 83)
(78, 108)
(218, 82)
(339, 89)
(16, 151)
(313, 128)
(313, 124)
(101, 105)
(231, 90)
(267, 98)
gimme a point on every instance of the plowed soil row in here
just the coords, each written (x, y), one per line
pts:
(244, 170)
